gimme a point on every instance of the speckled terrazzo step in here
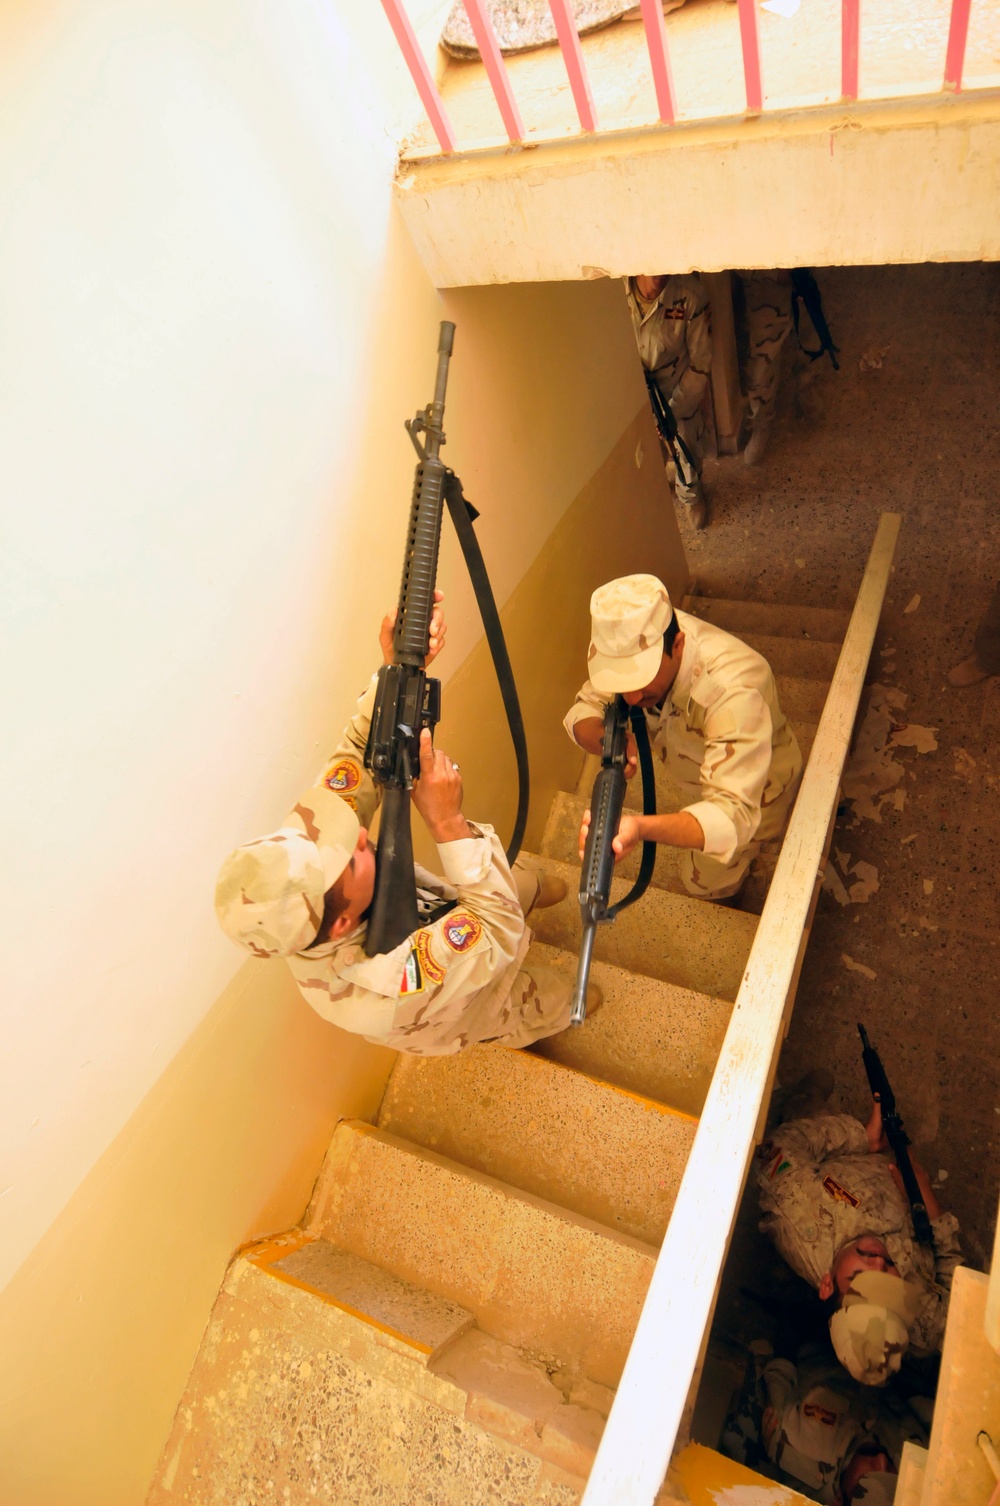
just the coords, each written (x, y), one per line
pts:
(802, 657)
(690, 942)
(500, 1252)
(298, 1398)
(651, 1037)
(542, 1126)
(823, 624)
(801, 699)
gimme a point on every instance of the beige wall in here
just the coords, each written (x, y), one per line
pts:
(214, 326)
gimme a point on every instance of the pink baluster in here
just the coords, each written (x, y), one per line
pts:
(489, 51)
(751, 55)
(569, 42)
(659, 57)
(849, 44)
(958, 33)
(420, 73)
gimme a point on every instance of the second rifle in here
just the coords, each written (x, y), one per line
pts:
(606, 805)
(897, 1137)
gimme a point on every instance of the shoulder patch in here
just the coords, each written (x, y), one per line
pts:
(413, 977)
(674, 310)
(838, 1193)
(461, 931)
(431, 967)
(777, 1166)
(344, 777)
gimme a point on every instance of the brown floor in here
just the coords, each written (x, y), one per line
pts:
(919, 435)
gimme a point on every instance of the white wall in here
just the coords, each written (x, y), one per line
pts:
(194, 201)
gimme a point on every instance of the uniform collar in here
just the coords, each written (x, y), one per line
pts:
(641, 312)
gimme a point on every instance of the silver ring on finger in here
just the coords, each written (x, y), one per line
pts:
(455, 767)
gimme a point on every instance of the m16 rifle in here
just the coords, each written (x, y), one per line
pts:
(407, 699)
(896, 1135)
(666, 424)
(606, 805)
(804, 287)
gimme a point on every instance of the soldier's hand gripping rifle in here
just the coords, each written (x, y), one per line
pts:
(407, 699)
(666, 424)
(606, 805)
(897, 1137)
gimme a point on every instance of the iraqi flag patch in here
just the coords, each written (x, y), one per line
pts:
(413, 975)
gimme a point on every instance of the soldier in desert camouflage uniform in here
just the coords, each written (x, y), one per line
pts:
(712, 710)
(834, 1206)
(808, 1425)
(768, 300)
(303, 892)
(673, 330)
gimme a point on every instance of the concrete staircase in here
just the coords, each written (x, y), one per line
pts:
(451, 1320)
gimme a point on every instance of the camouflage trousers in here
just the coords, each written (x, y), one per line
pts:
(768, 297)
(539, 1000)
(706, 877)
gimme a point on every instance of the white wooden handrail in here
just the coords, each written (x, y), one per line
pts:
(642, 1429)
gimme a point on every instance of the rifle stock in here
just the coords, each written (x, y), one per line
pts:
(407, 699)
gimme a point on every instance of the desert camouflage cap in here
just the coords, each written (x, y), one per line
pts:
(629, 617)
(270, 892)
(870, 1333)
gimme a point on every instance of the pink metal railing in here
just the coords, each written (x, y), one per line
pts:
(659, 60)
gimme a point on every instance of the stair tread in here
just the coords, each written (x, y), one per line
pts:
(548, 1128)
(499, 1251)
(650, 1037)
(823, 624)
(805, 658)
(690, 942)
(294, 1399)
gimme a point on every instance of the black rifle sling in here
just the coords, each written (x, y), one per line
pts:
(804, 288)
(638, 889)
(463, 515)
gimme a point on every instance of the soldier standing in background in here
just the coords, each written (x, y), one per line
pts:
(768, 300)
(673, 330)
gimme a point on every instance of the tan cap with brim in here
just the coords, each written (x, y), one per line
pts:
(270, 892)
(629, 617)
(870, 1333)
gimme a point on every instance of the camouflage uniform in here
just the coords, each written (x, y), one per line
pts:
(768, 300)
(801, 1424)
(821, 1188)
(725, 740)
(674, 336)
(455, 980)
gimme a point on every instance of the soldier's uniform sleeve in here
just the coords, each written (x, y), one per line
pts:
(344, 771)
(811, 1141)
(927, 1330)
(589, 702)
(416, 997)
(687, 395)
(734, 768)
(947, 1250)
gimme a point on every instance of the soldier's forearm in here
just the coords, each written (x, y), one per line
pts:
(589, 733)
(674, 829)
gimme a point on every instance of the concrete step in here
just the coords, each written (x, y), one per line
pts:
(298, 1396)
(801, 699)
(802, 657)
(690, 942)
(649, 1037)
(562, 1287)
(968, 1401)
(547, 1128)
(912, 1468)
(823, 624)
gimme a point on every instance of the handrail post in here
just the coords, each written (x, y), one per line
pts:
(850, 41)
(750, 38)
(958, 32)
(569, 44)
(420, 74)
(489, 51)
(659, 58)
